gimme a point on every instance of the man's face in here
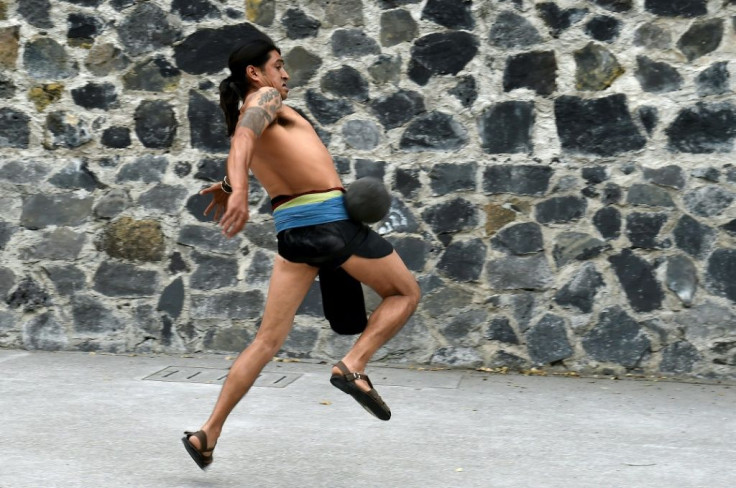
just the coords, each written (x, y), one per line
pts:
(274, 74)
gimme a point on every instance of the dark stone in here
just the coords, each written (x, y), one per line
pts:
(580, 292)
(386, 69)
(44, 332)
(353, 43)
(446, 178)
(208, 238)
(603, 28)
(463, 328)
(597, 68)
(677, 8)
(7, 88)
(104, 59)
(24, 172)
(62, 243)
(413, 251)
(503, 359)
(136, 240)
(66, 131)
(86, 3)
(125, 280)
(45, 59)
(361, 134)
(459, 357)
(463, 261)
(345, 82)
(638, 281)
(397, 109)
(111, 204)
(649, 117)
(36, 13)
(702, 38)
(41, 210)
(523, 305)
(154, 75)
(721, 272)
(29, 295)
(177, 263)
(397, 26)
(172, 299)
(299, 25)
(213, 272)
(194, 10)
(146, 169)
(679, 357)
(642, 229)
(617, 338)
(7, 230)
(116, 137)
(547, 341)
(672, 176)
(406, 181)
(682, 278)
(708, 174)
(312, 303)
(7, 282)
(93, 95)
(715, 80)
(512, 30)
(206, 124)
(571, 246)
(507, 128)
(652, 36)
(120, 5)
(650, 196)
(166, 199)
(535, 70)
(206, 51)
(300, 343)
(147, 29)
(14, 128)
(92, 317)
(182, 168)
(705, 128)
(557, 19)
(211, 169)
(517, 179)
(520, 273)
(325, 110)
(730, 227)
(155, 124)
(368, 167)
(434, 131)
(230, 305)
(441, 53)
(230, 339)
(601, 127)
(67, 279)
(657, 77)
(693, 237)
(83, 27)
(453, 14)
(500, 330)
(342, 165)
(262, 235)
(452, 216)
(301, 65)
(399, 219)
(519, 239)
(260, 269)
(595, 174)
(386, 4)
(708, 201)
(197, 204)
(465, 91)
(560, 209)
(616, 5)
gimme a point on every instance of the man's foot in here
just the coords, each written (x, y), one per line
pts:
(359, 386)
(196, 445)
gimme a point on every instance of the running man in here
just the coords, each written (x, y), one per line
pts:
(314, 232)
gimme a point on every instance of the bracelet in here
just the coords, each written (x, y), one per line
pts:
(226, 186)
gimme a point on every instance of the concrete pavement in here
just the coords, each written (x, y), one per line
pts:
(92, 420)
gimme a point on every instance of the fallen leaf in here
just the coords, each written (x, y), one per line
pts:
(325, 402)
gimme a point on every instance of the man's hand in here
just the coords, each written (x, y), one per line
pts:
(231, 209)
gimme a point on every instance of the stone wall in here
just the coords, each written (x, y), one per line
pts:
(562, 171)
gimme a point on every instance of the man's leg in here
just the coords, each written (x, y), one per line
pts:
(288, 287)
(390, 278)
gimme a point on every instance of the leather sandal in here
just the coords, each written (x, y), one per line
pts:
(370, 400)
(203, 457)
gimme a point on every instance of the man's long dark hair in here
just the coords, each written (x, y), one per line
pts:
(253, 51)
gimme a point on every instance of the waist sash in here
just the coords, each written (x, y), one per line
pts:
(310, 209)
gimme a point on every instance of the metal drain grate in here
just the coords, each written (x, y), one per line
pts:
(215, 376)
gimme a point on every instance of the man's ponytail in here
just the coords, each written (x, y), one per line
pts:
(230, 97)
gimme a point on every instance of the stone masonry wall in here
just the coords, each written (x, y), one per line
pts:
(563, 174)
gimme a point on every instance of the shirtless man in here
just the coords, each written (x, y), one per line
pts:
(284, 153)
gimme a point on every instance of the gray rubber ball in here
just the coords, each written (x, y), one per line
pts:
(367, 200)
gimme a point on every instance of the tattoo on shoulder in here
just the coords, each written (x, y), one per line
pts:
(256, 119)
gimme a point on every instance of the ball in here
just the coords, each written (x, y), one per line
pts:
(367, 200)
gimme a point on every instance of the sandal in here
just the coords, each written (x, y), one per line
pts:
(370, 400)
(203, 457)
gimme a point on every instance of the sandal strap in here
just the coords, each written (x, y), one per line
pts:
(202, 438)
(352, 375)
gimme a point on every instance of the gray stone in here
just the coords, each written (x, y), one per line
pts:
(154, 75)
(36, 13)
(677, 8)
(447, 178)
(503, 359)
(652, 36)
(507, 127)
(42, 210)
(453, 14)
(104, 59)
(230, 305)
(547, 341)
(729, 227)
(345, 81)
(657, 77)
(709, 174)
(68, 279)
(386, 69)
(463, 261)
(299, 25)
(23, 172)
(642, 229)
(682, 278)
(125, 280)
(597, 68)
(92, 317)
(459, 357)
(523, 305)
(672, 176)
(445, 299)
(302, 65)
(260, 268)
(75, 176)
(517, 179)
(715, 80)
(693, 237)
(464, 330)
(155, 124)
(520, 273)
(397, 26)
(194, 10)
(206, 124)
(300, 343)
(368, 167)
(353, 43)
(29, 296)
(595, 174)
(398, 108)
(560, 209)
(451, 216)
(413, 251)
(571, 246)
(8, 321)
(362, 135)
(208, 239)
(213, 272)
(617, 338)
(135, 240)
(649, 117)
(112, 204)
(147, 28)
(6, 232)
(512, 30)
(325, 110)
(66, 130)
(637, 278)
(581, 290)
(344, 12)
(705, 128)
(466, 91)
(434, 131)
(44, 332)
(679, 357)
(7, 88)
(441, 53)
(559, 19)
(14, 128)
(519, 239)
(499, 329)
(164, 198)
(702, 38)
(60, 244)
(172, 299)
(721, 272)
(312, 303)
(708, 201)
(46, 59)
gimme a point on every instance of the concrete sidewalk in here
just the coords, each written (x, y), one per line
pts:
(86, 420)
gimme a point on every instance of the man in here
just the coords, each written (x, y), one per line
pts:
(284, 153)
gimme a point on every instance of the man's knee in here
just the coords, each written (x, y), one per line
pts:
(414, 294)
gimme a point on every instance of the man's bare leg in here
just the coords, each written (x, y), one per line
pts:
(390, 278)
(288, 287)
